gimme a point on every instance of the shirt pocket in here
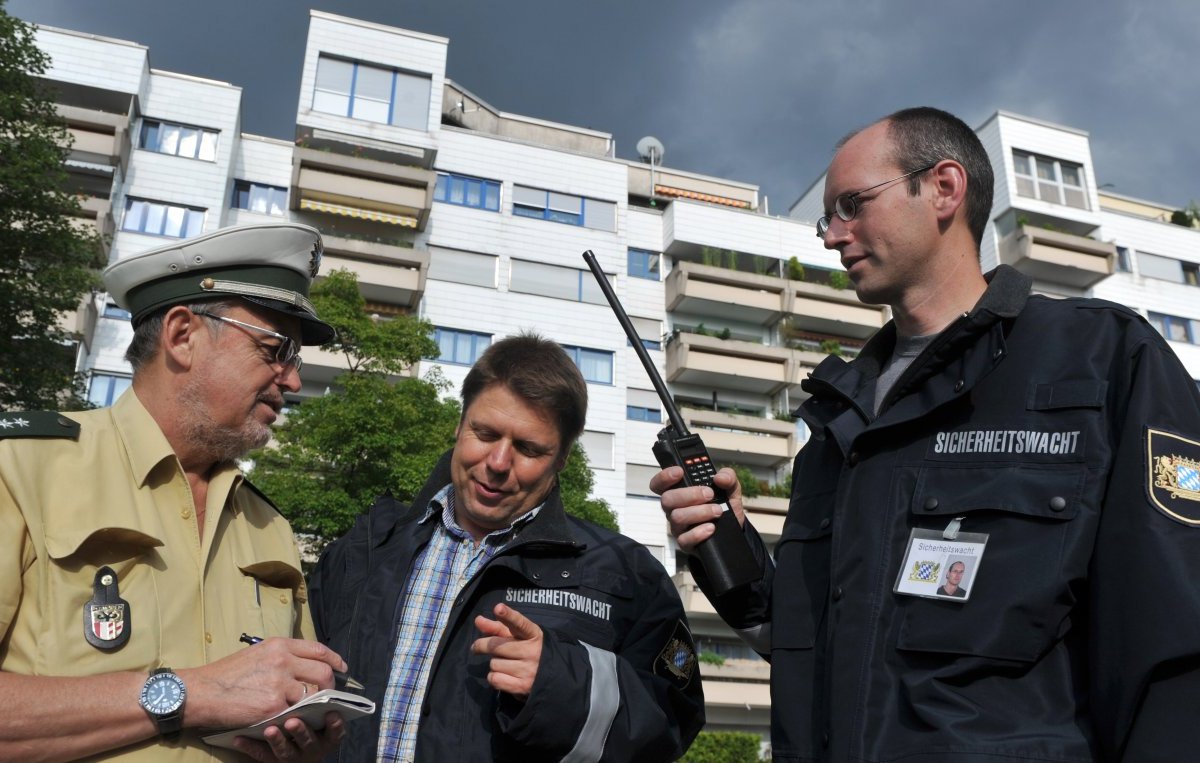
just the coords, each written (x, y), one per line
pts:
(77, 552)
(271, 594)
(802, 559)
(579, 602)
(1035, 560)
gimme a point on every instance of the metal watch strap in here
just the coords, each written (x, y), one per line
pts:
(171, 725)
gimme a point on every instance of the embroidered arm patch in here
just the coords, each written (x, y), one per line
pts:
(1173, 475)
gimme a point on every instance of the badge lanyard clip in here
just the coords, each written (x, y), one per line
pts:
(951, 531)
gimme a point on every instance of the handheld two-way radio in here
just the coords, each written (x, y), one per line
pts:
(726, 556)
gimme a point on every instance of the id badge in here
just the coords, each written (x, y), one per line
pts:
(941, 565)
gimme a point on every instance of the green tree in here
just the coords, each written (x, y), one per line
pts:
(372, 433)
(47, 264)
(724, 747)
(575, 482)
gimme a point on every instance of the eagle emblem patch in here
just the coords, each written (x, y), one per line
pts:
(1173, 475)
(677, 660)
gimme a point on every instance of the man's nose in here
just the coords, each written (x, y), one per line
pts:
(836, 234)
(289, 378)
(499, 458)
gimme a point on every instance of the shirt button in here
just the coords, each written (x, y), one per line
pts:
(186, 514)
(825, 523)
(1058, 503)
(537, 576)
(996, 355)
(566, 574)
(931, 504)
(852, 459)
(958, 385)
(837, 592)
(208, 638)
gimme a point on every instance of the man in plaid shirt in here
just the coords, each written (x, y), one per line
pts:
(490, 625)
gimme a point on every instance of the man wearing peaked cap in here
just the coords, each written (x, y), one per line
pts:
(134, 554)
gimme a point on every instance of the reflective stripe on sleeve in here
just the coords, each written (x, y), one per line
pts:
(758, 637)
(604, 701)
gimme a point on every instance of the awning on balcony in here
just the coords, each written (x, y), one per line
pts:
(665, 190)
(359, 214)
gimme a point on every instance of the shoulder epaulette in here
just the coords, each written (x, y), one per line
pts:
(44, 424)
(266, 498)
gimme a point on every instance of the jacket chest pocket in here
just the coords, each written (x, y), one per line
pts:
(1033, 566)
(802, 559)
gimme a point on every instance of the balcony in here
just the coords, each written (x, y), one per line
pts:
(766, 513)
(361, 187)
(728, 294)
(322, 367)
(1058, 258)
(740, 439)
(393, 275)
(707, 361)
(825, 310)
(100, 140)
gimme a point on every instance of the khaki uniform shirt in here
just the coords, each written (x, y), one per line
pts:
(118, 497)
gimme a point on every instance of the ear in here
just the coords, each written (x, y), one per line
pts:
(178, 338)
(949, 179)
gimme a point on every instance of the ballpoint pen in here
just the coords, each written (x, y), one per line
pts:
(341, 680)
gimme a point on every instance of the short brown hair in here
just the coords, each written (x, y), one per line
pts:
(539, 372)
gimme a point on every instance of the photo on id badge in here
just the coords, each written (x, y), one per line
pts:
(940, 568)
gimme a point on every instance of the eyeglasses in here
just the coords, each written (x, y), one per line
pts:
(286, 352)
(846, 206)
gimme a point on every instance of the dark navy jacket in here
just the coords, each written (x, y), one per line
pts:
(1069, 433)
(617, 679)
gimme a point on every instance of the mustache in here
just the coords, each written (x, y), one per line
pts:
(275, 401)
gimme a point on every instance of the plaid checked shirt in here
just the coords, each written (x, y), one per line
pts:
(440, 571)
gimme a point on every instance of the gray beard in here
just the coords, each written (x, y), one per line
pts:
(217, 442)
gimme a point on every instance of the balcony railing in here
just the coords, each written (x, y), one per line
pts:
(749, 440)
(389, 274)
(361, 187)
(1057, 257)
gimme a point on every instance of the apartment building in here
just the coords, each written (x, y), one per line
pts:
(449, 208)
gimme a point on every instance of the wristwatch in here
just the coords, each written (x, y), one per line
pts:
(162, 698)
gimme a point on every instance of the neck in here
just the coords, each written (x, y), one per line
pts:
(954, 288)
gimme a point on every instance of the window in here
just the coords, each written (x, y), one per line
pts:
(178, 140)
(1157, 266)
(643, 264)
(361, 91)
(112, 311)
(1191, 273)
(460, 347)
(555, 281)
(599, 448)
(104, 389)
(595, 365)
(649, 331)
(1124, 262)
(468, 192)
(642, 413)
(637, 479)
(564, 208)
(1052, 180)
(257, 197)
(160, 219)
(462, 267)
(1176, 329)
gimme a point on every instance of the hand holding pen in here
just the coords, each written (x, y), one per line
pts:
(341, 679)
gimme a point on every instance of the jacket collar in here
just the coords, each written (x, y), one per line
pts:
(1004, 298)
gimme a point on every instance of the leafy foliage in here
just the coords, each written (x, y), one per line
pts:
(575, 483)
(723, 747)
(372, 434)
(47, 264)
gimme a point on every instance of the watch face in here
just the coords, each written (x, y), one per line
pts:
(162, 694)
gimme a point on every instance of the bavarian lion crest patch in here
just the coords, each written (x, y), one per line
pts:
(677, 660)
(1173, 475)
